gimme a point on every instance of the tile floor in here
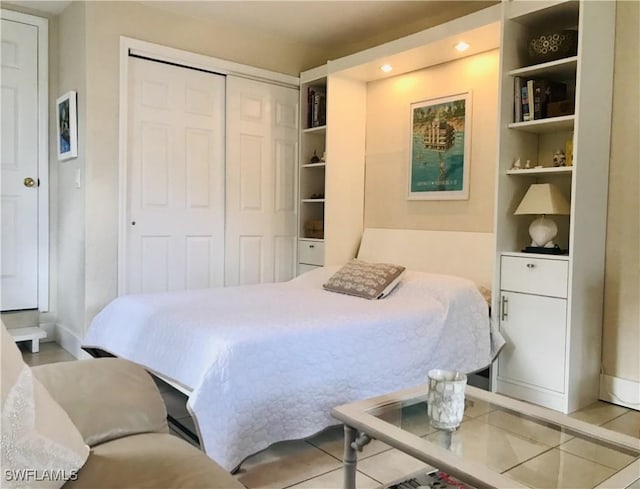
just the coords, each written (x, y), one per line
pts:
(316, 463)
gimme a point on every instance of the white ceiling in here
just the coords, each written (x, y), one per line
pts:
(337, 26)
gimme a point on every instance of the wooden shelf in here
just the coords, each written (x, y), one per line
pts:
(564, 170)
(309, 201)
(314, 165)
(318, 129)
(316, 240)
(561, 68)
(550, 124)
(522, 254)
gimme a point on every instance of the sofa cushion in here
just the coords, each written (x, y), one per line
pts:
(151, 460)
(38, 438)
(106, 398)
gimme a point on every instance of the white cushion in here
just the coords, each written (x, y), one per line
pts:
(41, 447)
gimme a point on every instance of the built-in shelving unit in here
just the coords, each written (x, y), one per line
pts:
(550, 306)
(313, 97)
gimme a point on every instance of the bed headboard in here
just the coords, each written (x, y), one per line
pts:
(465, 254)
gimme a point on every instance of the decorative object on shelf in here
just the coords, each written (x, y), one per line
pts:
(559, 158)
(317, 196)
(445, 400)
(553, 46)
(440, 149)
(559, 108)
(516, 165)
(323, 158)
(568, 151)
(314, 228)
(314, 158)
(543, 199)
(527, 164)
(67, 125)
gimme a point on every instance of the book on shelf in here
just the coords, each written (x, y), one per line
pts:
(530, 99)
(525, 102)
(317, 106)
(545, 92)
(517, 99)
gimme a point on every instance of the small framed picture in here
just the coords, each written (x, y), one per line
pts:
(67, 124)
(440, 148)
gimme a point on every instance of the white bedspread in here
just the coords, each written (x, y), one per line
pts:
(266, 363)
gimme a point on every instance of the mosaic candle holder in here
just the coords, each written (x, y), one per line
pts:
(445, 401)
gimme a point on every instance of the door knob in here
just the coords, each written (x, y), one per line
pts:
(29, 182)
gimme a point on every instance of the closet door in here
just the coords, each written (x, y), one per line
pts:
(175, 178)
(262, 152)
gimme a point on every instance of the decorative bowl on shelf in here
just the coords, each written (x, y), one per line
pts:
(552, 46)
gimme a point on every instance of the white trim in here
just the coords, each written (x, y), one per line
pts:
(70, 342)
(183, 58)
(221, 66)
(43, 149)
(620, 391)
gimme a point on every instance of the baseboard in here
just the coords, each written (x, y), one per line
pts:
(70, 342)
(620, 391)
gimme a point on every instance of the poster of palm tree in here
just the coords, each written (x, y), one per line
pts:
(440, 142)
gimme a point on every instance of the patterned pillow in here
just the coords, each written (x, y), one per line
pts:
(366, 280)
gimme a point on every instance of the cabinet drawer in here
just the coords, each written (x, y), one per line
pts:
(311, 252)
(534, 276)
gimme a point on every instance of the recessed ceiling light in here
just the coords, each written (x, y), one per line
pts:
(462, 46)
(386, 68)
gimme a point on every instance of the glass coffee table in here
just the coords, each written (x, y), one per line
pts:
(501, 442)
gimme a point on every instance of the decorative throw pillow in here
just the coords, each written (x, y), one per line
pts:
(41, 447)
(367, 280)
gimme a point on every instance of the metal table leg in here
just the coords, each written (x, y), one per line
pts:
(350, 457)
(353, 442)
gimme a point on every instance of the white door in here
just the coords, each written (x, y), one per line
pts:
(19, 102)
(175, 178)
(262, 149)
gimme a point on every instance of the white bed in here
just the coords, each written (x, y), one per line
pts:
(266, 363)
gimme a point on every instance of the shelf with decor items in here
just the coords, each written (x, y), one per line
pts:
(313, 99)
(552, 190)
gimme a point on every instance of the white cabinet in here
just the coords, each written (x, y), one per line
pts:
(550, 307)
(533, 320)
(310, 252)
(313, 99)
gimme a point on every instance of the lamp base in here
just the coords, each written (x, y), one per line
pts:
(544, 250)
(542, 232)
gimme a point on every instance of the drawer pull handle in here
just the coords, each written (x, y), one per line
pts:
(531, 265)
(505, 308)
(312, 246)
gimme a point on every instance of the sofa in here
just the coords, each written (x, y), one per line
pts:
(93, 424)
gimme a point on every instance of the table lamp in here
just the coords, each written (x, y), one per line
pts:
(543, 199)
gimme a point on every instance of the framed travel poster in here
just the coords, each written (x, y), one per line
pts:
(440, 148)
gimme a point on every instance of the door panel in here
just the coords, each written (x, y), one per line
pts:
(175, 178)
(19, 160)
(262, 142)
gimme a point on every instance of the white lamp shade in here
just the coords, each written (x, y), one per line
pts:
(543, 199)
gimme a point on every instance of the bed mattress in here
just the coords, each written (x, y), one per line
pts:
(266, 363)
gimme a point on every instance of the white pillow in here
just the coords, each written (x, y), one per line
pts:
(41, 447)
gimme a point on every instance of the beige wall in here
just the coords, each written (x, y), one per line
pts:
(71, 75)
(621, 336)
(388, 143)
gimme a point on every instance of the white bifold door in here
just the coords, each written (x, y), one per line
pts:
(19, 162)
(175, 178)
(262, 149)
(201, 213)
